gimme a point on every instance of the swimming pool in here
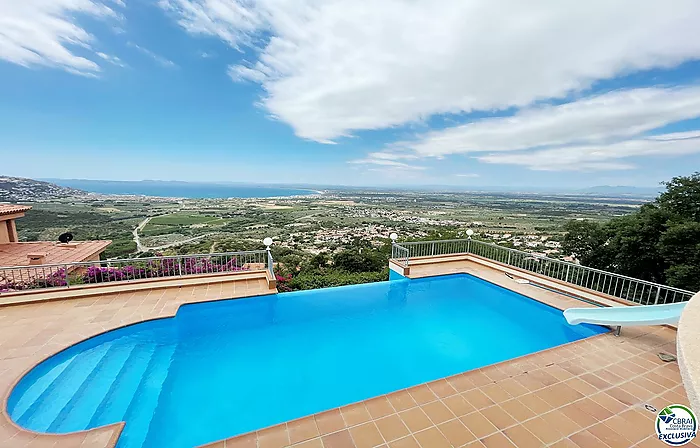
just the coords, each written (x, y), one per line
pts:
(224, 368)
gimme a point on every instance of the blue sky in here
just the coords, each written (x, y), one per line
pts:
(455, 92)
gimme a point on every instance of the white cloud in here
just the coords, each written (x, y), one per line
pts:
(111, 59)
(46, 33)
(617, 114)
(600, 156)
(233, 21)
(165, 62)
(470, 175)
(386, 163)
(333, 67)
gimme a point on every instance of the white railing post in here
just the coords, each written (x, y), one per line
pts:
(270, 263)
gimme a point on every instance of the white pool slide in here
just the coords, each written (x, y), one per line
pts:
(619, 316)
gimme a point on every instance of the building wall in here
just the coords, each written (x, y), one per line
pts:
(4, 232)
(8, 230)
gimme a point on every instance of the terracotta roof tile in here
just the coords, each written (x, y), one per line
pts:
(10, 209)
(16, 254)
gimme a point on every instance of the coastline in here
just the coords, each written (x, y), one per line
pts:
(182, 190)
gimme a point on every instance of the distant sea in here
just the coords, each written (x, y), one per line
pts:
(190, 190)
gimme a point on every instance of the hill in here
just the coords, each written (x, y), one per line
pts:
(20, 189)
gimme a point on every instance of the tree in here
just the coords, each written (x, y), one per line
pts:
(360, 259)
(682, 197)
(660, 242)
(680, 247)
(587, 241)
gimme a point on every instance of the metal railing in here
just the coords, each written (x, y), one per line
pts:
(270, 265)
(400, 254)
(616, 285)
(19, 278)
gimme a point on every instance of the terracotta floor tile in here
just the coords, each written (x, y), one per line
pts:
(610, 376)
(379, 407)
(578, 415)
(637, 391)
(543, 430)
(406, 442)
(535, 403)
(479, 425)
(544, 377)
(608, 402)
(595, 381)
(366, 435)
(622, 396)
(329, 421)
(529, 382)
(517, 410)
(513, 388)
(461, 383)
(562, 424)
(478, 378)
(401, 400)
(652, 387)
(496, 393)
(660, 379)
(392, 427)
(442, 388)
(437, 412)
(627, 429)
(494, 373)
(274, 437)
(558, 395)
(432, 438)
(340, 439)
(499, 417)
(315, 443)
(302, 429)
(456, 433)
(477, 398)
(559, 373)
(581, 386)
(415, 419)
(609, 436)
(497, 440)
(355, 414)
(458, 405)
(594, 409)
(564, 443)
(422, 394)
(522, 438)
(652, 442)
(585, 439)
(244, 441)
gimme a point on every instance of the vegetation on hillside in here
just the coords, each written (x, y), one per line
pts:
(359, 262)
(660, 242)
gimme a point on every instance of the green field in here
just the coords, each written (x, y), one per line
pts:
(183, 219)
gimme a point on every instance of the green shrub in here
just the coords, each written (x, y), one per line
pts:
(333, 277)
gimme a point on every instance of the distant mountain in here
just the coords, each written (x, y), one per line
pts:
(622, 191)
(20, 189)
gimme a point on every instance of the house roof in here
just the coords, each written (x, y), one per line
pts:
(15, 254)
(11, 209)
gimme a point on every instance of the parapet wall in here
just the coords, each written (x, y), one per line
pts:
(688, 346)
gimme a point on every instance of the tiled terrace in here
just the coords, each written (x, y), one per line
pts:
(591, 393)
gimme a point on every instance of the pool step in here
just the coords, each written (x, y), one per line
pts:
(113, 407)
(142, 409)
(76, 415)
(58, 394)
(38, 387)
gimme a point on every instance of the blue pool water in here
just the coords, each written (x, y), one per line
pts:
(224, 368)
